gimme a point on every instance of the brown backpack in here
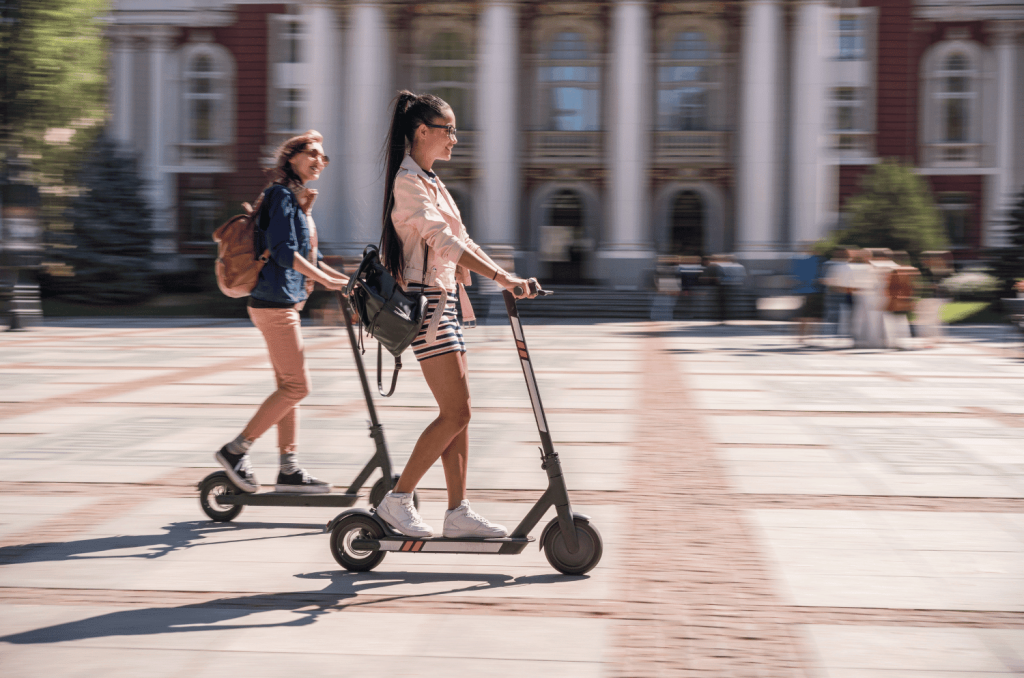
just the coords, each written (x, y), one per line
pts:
(901, 290)
(238, 268)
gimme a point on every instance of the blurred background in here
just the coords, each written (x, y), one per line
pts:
(608, 147)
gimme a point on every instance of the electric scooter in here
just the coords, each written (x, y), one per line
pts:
(360, 539)
(222, 501)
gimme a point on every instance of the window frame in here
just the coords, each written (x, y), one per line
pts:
(546, 88)
(712, 87)
(938, 150)
(193, 149)
(465, 118)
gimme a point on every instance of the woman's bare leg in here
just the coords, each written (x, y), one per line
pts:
(447, 436)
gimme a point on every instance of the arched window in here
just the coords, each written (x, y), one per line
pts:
(955, 97)
(207, 101)
(951, 104)
(569, 76)
(448, 73)
(687, 82)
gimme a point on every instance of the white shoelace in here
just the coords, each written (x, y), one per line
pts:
(473, 515)
(411, 508)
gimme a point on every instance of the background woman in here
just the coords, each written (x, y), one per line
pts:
(422, 225)
(288, 231)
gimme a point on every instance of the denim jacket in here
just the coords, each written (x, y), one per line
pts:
(285, 230)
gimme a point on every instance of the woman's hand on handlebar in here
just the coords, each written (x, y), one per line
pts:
(511, 282)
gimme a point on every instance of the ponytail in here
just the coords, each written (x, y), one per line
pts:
(410, 111)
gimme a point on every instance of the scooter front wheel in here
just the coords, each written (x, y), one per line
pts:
(348, 530)
(213, 486)
(377, 492)
(585, 559)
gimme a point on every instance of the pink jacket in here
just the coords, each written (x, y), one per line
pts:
(424, 212)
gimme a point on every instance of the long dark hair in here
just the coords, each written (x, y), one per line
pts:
(410, 111)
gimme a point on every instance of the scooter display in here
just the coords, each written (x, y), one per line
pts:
(572, 544)
(222, 501)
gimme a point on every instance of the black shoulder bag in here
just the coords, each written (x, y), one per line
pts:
(390, 315)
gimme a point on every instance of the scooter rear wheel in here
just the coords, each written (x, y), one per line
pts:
(352, 528)
(378, 492)
(581, 562)
(213, 486)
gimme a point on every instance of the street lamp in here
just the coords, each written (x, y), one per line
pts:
(21, 250)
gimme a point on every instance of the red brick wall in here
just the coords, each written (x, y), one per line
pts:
(897, 79)
(849, 181)
(248, 41)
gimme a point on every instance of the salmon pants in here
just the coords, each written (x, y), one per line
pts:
(283, 333)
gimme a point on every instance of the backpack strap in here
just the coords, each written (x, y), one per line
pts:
(394, 375)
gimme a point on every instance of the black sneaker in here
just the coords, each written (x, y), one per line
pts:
(239, 469)
(300, 481)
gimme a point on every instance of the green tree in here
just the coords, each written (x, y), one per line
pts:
(53, 74)
(110, 246)
(894, 209)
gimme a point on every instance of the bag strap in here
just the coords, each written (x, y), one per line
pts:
(394, 375)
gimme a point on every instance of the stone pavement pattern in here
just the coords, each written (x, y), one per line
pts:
(767, 509)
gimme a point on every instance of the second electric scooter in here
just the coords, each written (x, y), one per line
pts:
(222, 501)
(360, 539)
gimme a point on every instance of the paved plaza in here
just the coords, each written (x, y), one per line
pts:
(767, 508)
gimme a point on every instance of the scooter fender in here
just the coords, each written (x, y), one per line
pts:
(360, 511)
(554, 521)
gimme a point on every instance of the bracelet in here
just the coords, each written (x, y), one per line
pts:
(495, 276)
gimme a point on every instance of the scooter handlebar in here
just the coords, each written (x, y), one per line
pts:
(535, 289)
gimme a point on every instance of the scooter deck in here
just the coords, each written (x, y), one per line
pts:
(502, 546)
(288, 499)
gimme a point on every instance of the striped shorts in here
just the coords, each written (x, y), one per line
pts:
(449, 332)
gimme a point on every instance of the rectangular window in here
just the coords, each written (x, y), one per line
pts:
(292, 104)
(849, 119)
(851, 37)
(293, 38)
(200, 213)
(956, 215)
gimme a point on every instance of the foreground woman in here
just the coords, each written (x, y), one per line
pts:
(425, 246)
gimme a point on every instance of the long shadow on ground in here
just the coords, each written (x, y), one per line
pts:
(308, 607)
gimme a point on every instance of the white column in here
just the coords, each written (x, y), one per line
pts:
(121, 93)
(161, 200)
(497, 128)
(759, 161)
(325, 99)
(626, 249)
(1003, 186)
(811, 178)
(366, 123)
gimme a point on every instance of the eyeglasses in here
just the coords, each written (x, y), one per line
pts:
(448, 128)
(317, 156)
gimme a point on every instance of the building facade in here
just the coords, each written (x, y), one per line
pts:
(593, 136)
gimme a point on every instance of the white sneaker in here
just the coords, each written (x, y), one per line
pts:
(398, 511)
(465, 522)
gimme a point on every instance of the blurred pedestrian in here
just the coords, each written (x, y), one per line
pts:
(935, 266)
(726, 276)
(690, 271)
(288, 231)
(806, 273)
(900, 301)
(865, 285)
(426, 247)
(838, 295)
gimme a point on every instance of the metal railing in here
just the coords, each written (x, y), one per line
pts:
(683, 146)
(565, 145)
